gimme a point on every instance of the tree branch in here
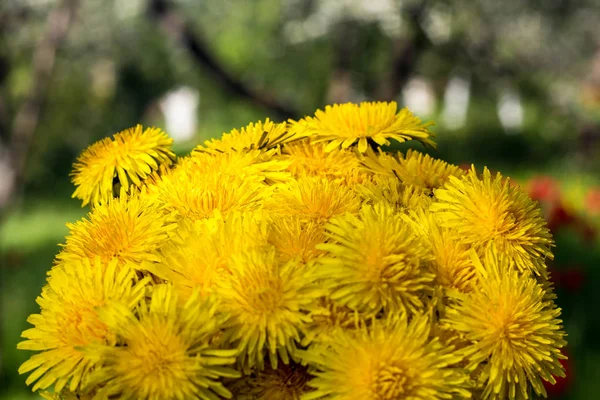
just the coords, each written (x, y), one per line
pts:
(178, 30)
(340, 81)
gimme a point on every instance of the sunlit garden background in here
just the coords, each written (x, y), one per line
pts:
(513, 85)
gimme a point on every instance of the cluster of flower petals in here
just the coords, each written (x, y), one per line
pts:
(296, 260)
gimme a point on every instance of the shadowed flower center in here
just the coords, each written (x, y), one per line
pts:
(162, 356)
(266, 299)
(392, 382)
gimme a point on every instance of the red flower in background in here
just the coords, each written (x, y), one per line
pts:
(571, 278)
(544, 189)
(559, 216)
(592, 201)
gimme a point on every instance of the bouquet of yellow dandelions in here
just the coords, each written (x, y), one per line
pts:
(296, 261)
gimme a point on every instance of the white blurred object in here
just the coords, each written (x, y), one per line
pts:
(456, 102)
(510, 110)
(128, 9)
(419, 97)
(180, 109)
(328, 13)
(438, 24)
(8, 177)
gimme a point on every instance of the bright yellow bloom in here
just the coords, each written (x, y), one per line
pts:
(488, 209)
(296, 239)
(515, 333)
(268, 303)
(163, 350)
(452, 264)
(414, 168)
(256, 136)
(306, 158)
(198, 254)
(286, 382)
(251, 163)
(68, 320)
(375, 262)
(128, 158)
(313, 198)
(129, 228)
(390, 360)
(342, 125)
(195, 195)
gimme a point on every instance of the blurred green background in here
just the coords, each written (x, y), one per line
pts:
(514, 85)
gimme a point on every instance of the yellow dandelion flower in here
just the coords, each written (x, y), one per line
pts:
(306, 158)
(68, 320)
(342, 125)
(197, 196)
(452, 264)
(414, 168)
(287, 382)
(163, 350)
(128, 158)
(268, 303)
(129, 228)
(486, 209)
(514, 333)
(296, 239)
(253, 163)
(375, 262)
(390, 190)
(256, 136)
(390, 360)
(198, 254)
(313, 198)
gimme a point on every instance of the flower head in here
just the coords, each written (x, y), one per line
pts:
(268, 303)
(488, 209)
(310, 159)
(163, 350)
(375, 262)
(128, 158)
(390, 360)
(452, 264)
(296, 239)
(68, 320)
(256, 136)
(130, 229)
(196, 195)
(198, 254)
(251, 163)
(313, 198)
(414, 168)
(514, 332)
(342, 125)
